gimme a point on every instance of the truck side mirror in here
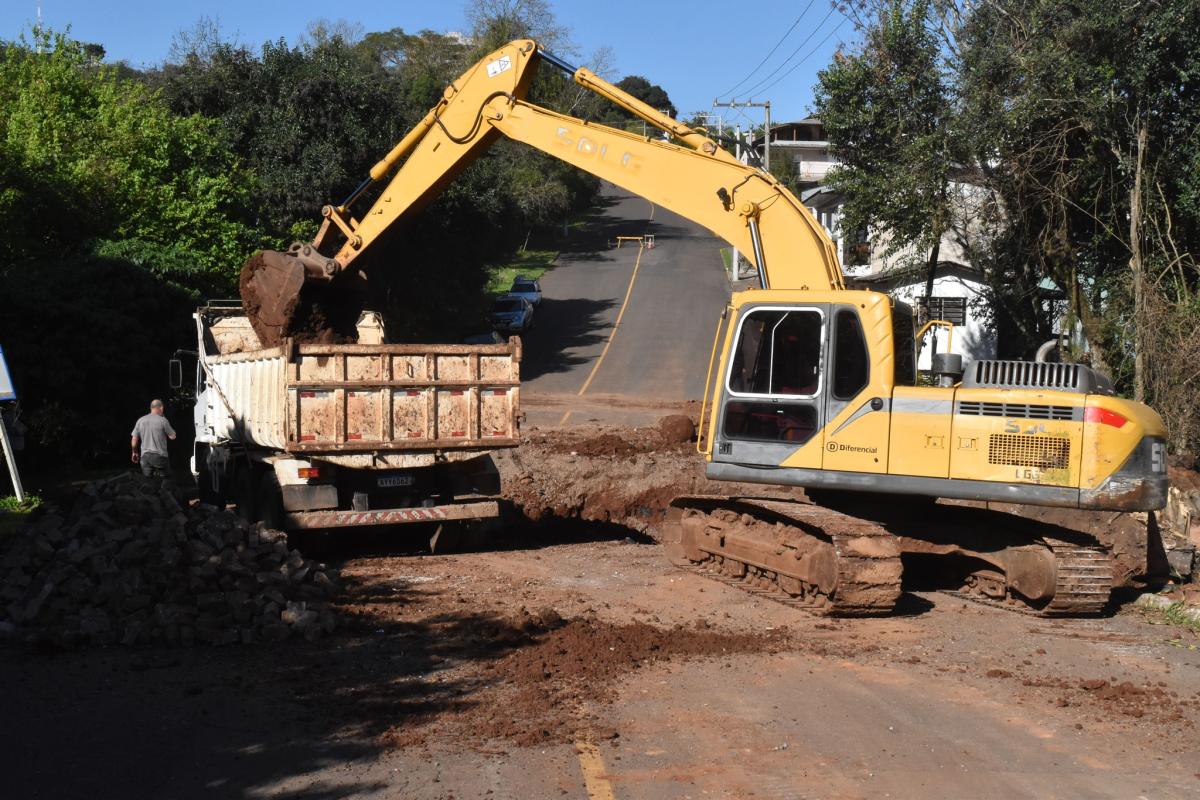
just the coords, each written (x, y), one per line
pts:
(175, 373)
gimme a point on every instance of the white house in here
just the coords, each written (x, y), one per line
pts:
(957, 286)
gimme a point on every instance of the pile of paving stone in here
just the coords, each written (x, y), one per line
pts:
(125, 562)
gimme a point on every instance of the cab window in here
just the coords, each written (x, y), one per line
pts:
(774, 376)
(851, 365)
(778, 353)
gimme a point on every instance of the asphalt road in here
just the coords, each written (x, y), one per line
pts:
(577, 357)
(947, 700)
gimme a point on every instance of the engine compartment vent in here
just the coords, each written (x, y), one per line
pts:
(1019, 410)
(1043, 452)
(998, 374)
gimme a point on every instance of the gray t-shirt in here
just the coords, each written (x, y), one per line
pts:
(152, 432)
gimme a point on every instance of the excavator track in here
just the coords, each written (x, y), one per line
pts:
(832, 562)
(799, 554)
(1085, 578)
(1083, 583)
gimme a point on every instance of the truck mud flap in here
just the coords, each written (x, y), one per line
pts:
(487, 509)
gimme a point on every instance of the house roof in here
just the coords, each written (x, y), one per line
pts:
(905, 276)
(807, 132)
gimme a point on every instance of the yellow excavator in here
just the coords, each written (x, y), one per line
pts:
(815, 385)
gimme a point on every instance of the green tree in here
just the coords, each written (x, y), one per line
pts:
(889, 114)
(494, 23)
(1077, 128)
(783, 167)
(649, 93)
(308, 121)
(117, 166)
(117, 214)
(1085, 118)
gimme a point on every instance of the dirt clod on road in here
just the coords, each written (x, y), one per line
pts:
(677, 429)
(545, 690)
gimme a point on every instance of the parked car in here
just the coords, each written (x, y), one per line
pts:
(529, 288)
(511, 314)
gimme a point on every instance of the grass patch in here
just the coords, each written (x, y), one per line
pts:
(1175, 615)
(727, 258)
(531, 264)
(13, 512)
(1159, 610)
(11, 503)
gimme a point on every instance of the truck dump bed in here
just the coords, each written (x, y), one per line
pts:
(363, 405)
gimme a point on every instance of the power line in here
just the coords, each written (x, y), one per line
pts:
(756, 87)
(787, 33)
(811, 53)
(766, 107)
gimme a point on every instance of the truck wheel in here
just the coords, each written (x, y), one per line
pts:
(244, 494)
(204, 480)
(446, 538)
(270, 501)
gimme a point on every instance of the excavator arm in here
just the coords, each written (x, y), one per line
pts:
(688, 174)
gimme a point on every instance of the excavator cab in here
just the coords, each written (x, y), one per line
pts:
(793, 365)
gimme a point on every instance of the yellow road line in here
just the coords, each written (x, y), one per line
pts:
(595, 781)
(617, 324)
(563, 420)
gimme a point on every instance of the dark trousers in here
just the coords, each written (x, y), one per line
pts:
(155, 465)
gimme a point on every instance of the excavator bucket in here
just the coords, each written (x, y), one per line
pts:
(301, 294)
(270, 287)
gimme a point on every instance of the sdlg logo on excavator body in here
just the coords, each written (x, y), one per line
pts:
(599, 151)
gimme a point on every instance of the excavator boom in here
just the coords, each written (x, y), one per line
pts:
(687, 173)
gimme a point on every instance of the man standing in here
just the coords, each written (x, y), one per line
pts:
(150, 436)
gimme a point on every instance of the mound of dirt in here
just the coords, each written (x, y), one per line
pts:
(621, 475)
(541, 691)
(1184, 478)
(606, 444)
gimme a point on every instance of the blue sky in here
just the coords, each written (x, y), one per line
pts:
(694, 54)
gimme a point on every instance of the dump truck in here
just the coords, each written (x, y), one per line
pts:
(304, 435)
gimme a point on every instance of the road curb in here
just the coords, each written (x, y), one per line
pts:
(1162, 603)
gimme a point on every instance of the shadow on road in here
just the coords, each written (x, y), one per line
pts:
(248, 721)
(269, 720)
(563, 325)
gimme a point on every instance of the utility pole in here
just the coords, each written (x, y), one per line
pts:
(766, 107)
(708, 118)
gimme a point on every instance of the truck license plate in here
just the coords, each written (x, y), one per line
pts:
(394, 480)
